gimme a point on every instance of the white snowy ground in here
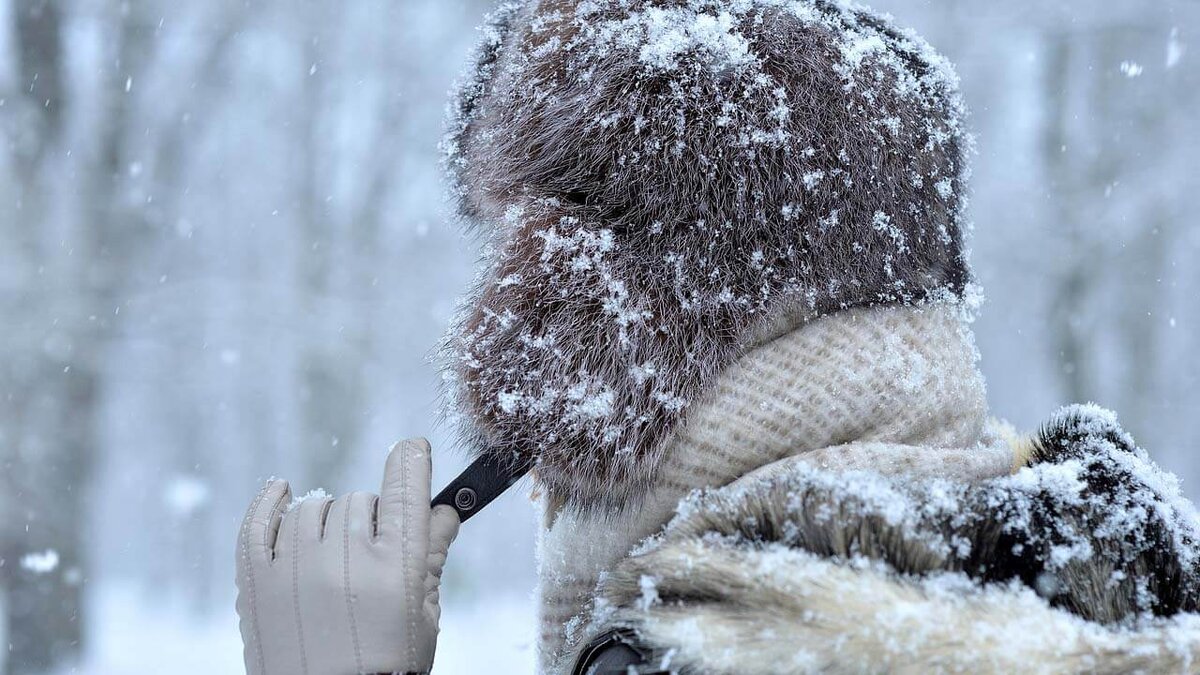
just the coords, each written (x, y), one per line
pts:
(129, 637)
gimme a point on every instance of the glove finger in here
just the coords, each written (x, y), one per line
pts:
(260, 527)
(286, 540)
(300, 531)
(311, 517)
(404, 498)
(351, 518)
(443, 528)
(255, 550)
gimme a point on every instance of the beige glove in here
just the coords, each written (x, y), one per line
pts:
(347, 585)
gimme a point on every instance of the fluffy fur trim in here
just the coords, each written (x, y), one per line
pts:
(801, 613)
(1084, 561)
(656, 180)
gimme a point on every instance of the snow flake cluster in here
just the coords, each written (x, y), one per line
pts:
(42, 562)
(663, 35)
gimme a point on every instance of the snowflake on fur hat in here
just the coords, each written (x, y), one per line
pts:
(658, 183)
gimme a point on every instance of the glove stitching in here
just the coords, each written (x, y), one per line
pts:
(346, 589)
(296, 592)
(409, 596)
(326, 507)
(277, 509)
(248, 566)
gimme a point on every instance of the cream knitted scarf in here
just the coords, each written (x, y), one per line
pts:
(890, 388)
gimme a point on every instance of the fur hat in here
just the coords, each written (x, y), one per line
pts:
(658, 184)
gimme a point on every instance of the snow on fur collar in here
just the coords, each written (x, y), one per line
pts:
(656, 180)
(1086, 560)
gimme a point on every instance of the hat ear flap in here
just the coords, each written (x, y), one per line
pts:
(562, 360)
(476, 81)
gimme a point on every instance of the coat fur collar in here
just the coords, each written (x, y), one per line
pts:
(1085, 560)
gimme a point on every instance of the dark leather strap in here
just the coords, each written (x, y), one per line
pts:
(617, 652)
(476, 487)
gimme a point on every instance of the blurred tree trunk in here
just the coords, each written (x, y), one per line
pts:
(188, 561)
(1140, 331)
(1136, 118)
(1103, 127)
(85, 262)
(1072, 284)
(340, 244)
(51, 428)
(330, 395)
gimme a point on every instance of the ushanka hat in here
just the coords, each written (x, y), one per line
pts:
(660, 183)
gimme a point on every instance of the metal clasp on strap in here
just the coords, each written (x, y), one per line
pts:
(484, 480)
(618, 651)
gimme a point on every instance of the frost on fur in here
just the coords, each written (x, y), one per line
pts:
(1085, 560)
(1092, 525)
(657, 179)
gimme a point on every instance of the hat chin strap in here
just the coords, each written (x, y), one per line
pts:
(480, 483)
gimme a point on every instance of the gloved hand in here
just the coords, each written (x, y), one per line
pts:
(347, 585)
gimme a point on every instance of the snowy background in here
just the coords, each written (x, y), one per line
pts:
(223, 256)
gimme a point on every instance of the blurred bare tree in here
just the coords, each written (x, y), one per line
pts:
(42, 391)
(1117, 108)
(85, 215)
(183, 175)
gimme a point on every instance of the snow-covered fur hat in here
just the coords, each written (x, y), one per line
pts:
(659, 183)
